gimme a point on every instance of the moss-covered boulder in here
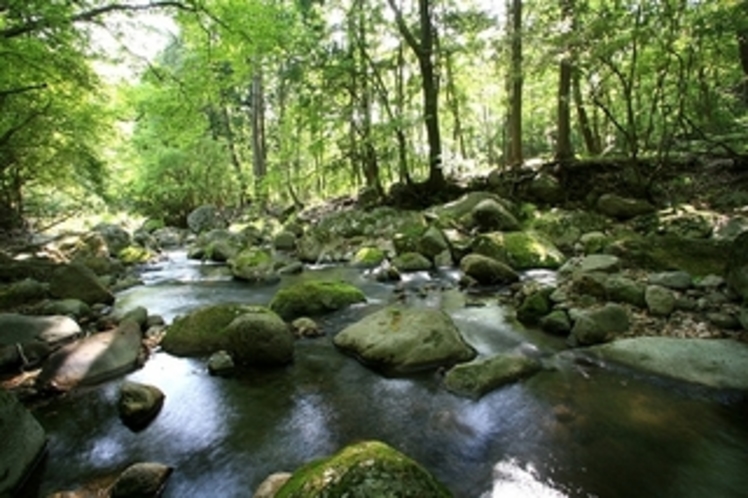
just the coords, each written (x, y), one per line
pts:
(521, 250)
(698, 257)
(23, 443)
(314, 298)
(563, 227)
(461, 209)
(599, 325)
(139, 404)
(412, 261)
(535, 306)
(432, 243)
(201, 331)
(479, 377)
(398, 340)
(259, 337)
(76, 281)
(368, 257)
(490, 215)
(133, 254)
(621, 289)
(254, 265)
(623, 208)
(363, 470)
(487, 271)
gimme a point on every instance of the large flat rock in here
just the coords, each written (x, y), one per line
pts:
(717, 363)
(53, 330)
(93, 359)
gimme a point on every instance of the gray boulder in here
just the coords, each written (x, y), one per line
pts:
(623, 208)
(411, 261)
(660, 301)
(116, 237)
(621, 289)
(400, 340)
(23, 441)
(53, 330)
(479, 377)
(604, 263)
(432, 243)
(556, 322)
(205, 218)
(139, 404)
(599, 325)
(487, 271)
(220, 363)
(141, 480)
(259, 337)
(718, 363)
(489, 215)
(21, 293)
(285, 241)
(93, 359)
(168, 237)
(67, 307)
(75, 281)
(678, 280)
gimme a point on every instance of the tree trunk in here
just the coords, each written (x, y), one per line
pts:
(453, 103)
(515, 157)
(564, 152)
(743, 53)
(259, 155)
(591, 141)
(234, 154)
(424, 52)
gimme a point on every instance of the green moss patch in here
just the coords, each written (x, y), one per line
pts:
(315, 298)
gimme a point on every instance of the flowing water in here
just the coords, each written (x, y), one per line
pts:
(576, 431)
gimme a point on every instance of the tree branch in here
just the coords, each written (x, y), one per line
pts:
(403, 28)
(23, 89)
(93, 15)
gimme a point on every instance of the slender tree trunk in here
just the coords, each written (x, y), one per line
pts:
(515, 114)
(369, 156)
(424, 52)
(591, 141)
(259, 155)
(453, 103)
(234, 154)
(564, 152)
(402, 144)
(743, 53)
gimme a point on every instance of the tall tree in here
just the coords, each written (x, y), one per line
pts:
(423, 49)
(514, 24)
(564, 152)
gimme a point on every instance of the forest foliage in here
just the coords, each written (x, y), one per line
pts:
(252, 101)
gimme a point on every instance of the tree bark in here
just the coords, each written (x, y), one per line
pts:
(259, 153)
(564, 152)
(515, 105)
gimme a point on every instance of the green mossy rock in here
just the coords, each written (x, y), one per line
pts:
(368, 257)
(253, 265)
(487, 271)
(132, 255)
(314, 298)
(364, 470)
(260, 337)
(399, 340)
(520, 250)
(737, 267)
(698, 257)
(201, 331)
(412, 261)
(534, 306)
(477, 378)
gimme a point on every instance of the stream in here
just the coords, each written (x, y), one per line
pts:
(578, 431)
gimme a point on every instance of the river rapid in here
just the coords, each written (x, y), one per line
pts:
(576, 431)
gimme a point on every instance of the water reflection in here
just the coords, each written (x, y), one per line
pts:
(562, 433)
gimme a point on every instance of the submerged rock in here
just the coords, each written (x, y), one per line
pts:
(141, 480)
(314, 298)
(259, 337)
(718, 363)
(367, 469)
(482, 376)
(220, 363)
(139, 404)
(23, 442)
(399, 340)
